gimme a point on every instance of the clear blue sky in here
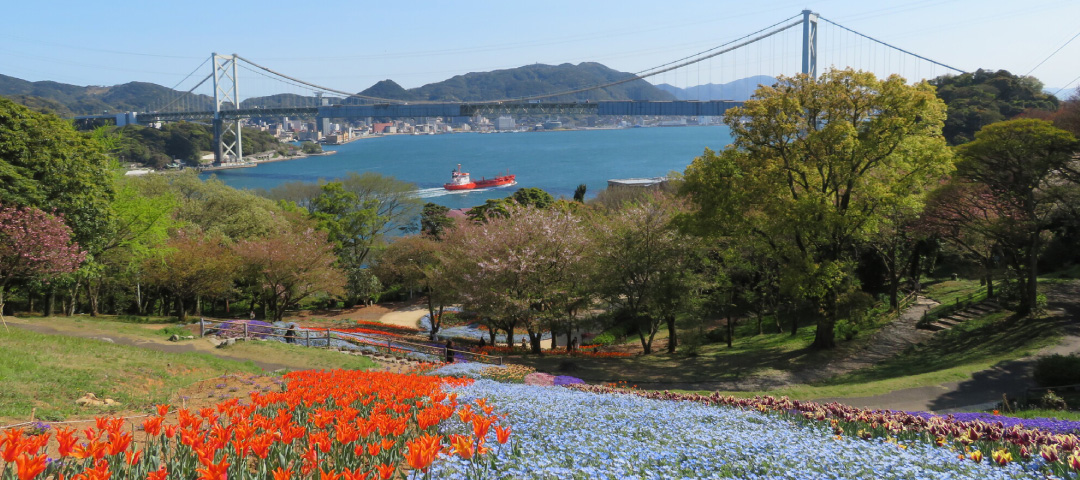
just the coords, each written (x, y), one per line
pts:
(350, 45)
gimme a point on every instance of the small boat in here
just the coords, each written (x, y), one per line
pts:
(461, 181)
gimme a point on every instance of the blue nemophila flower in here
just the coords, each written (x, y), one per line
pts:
(562, 433)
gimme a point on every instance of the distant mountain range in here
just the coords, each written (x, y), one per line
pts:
(737, 90)
(530, 80)
(67, 100)
(526, 81)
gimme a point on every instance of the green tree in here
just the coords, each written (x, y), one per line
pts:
(359, 211)
(982, 97)
(420, 263)
(213, 206)
(46, 164)
(434, 220)
(290, 266)
(1022, 163)
(813, 166)
(579, 193)
(140, 228)
(500, 207)
(193, 265)
(310, 148)
(646, 266)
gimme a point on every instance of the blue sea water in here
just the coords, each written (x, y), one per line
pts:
(555, 161)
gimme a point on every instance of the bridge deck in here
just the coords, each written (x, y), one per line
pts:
(626, 108)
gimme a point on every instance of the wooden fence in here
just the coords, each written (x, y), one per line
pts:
(385, 344)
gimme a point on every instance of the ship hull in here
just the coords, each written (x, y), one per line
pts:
(497, 181)
(461, 186)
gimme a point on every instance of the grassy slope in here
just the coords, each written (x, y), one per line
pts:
(953, 355)
(950, 356)
(51, 371)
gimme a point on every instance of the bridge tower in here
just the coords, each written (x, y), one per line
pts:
(809, 43)
(225, 95)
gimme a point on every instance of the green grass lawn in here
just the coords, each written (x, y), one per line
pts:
(1037, 413)
(951, 355)
(50, 371)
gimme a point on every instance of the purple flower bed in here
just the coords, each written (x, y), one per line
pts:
(1052, 425)
(567, 380)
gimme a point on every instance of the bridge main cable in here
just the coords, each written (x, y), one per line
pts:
(641, 76)
(667, 67)
(320, 87)
(892, 46)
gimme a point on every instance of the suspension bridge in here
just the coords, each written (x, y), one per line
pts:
(798, 44)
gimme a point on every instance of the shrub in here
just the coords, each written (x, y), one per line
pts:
(1051, 401)
(606, 338)
(1057, 370)
(716, 335)
(846, 329)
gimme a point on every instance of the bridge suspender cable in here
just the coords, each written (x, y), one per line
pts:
(891, 46)
(656, 72)
(185, 94)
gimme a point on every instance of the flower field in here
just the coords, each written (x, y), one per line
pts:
(455, 422)
(581, 352)
(564, 433)
(338, 425)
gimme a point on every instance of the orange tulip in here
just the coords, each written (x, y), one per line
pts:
(118, 443)
(152, 426)
(385, 471)
(502, 434)
(12, 444)
(353, 475)
(132, 456)
(214, 471)
(463, 446)
(99, 472)
(66, 438)
(159, 474)
(282, 474)
(481, 425)
(323, 475)
(28, 467)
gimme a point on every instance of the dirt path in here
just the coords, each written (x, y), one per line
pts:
(886, 343)
(406, 316)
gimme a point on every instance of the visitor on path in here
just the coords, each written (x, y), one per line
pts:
(482, 344)
(449, 353)
(573, 344)
(290, 335)
(523, 345)
(251, 315)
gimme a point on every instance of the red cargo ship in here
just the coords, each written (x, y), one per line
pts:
(461, 181)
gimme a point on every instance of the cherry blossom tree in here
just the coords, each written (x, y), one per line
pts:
(290, 266)
(34, 245)
(521, 269)
(193, 265)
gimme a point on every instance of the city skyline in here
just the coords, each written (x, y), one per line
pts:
(351, 47)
